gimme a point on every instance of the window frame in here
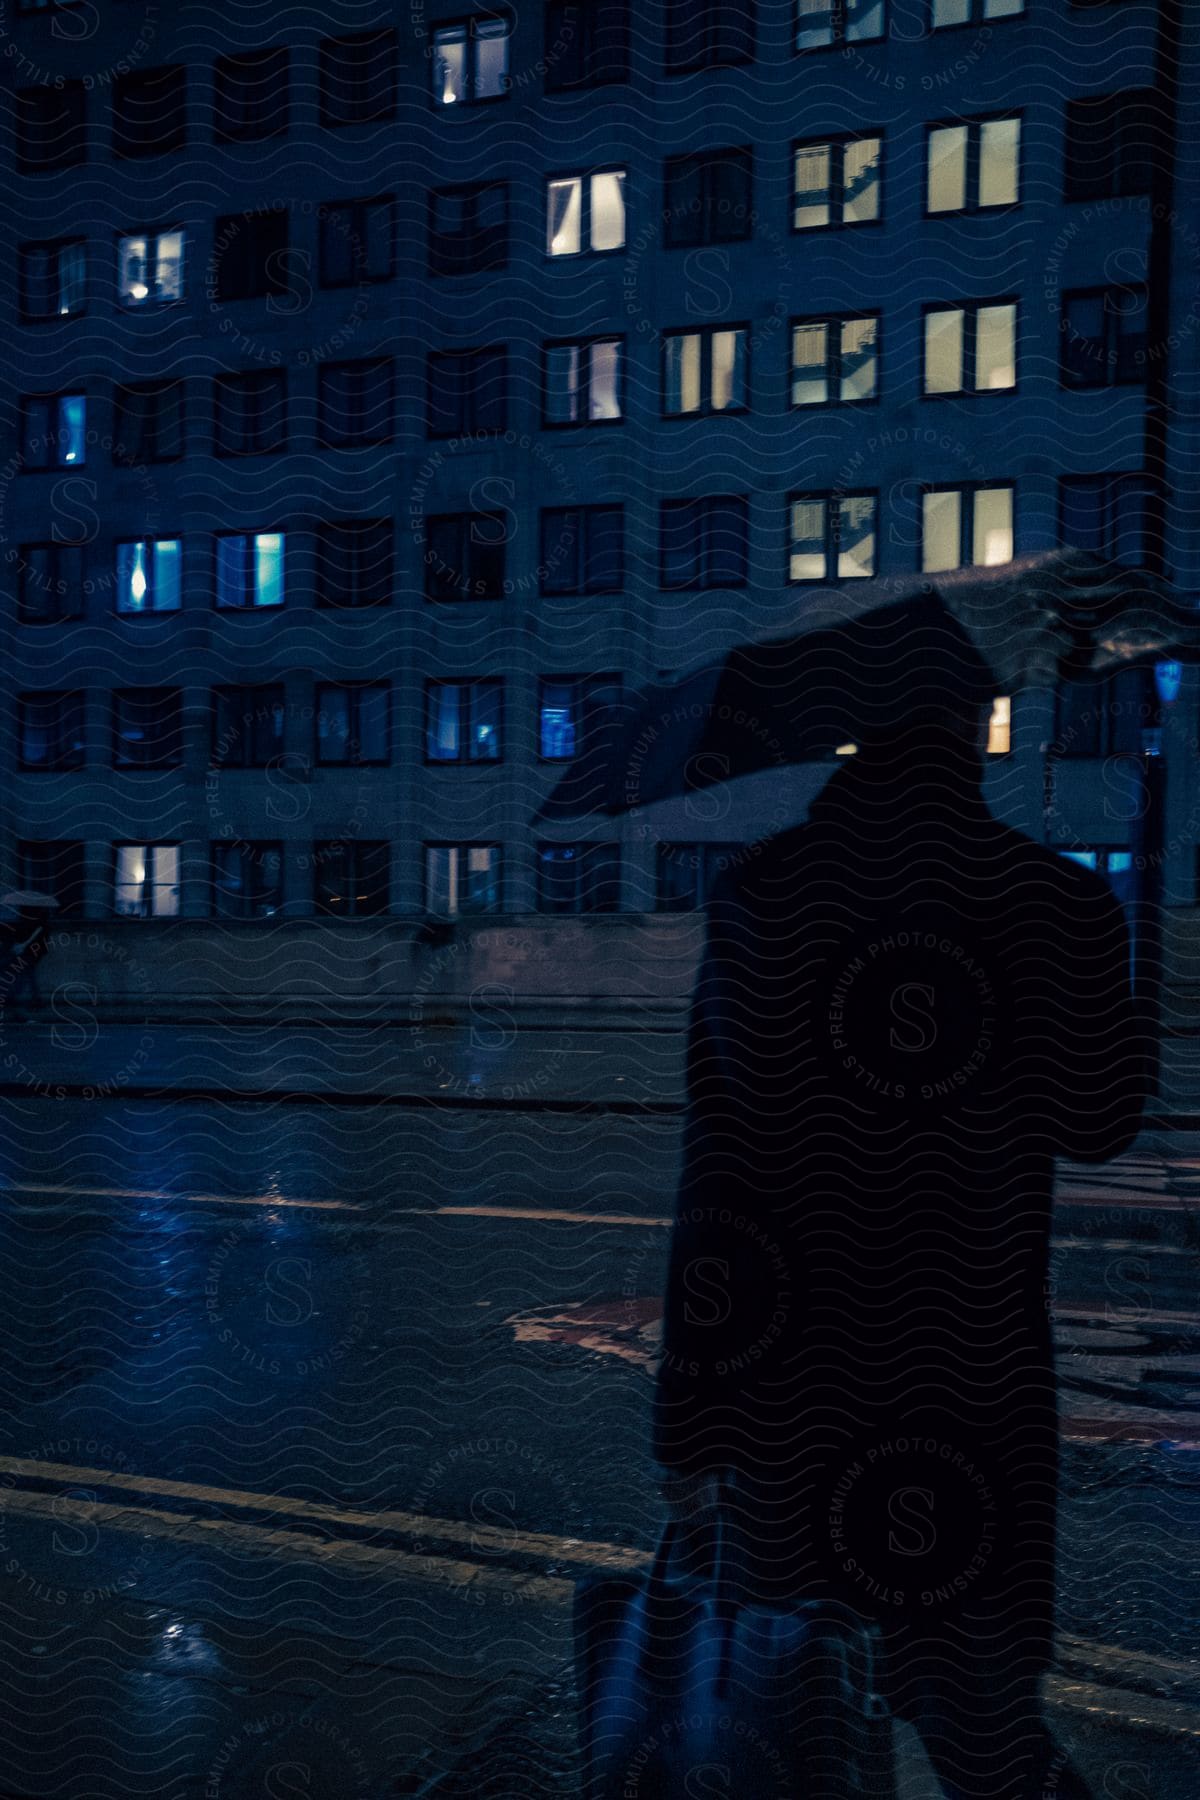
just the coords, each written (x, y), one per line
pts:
(270, 386)
(706, 333)
(966, 520)
(69, 879)
(463, 524)
(834, 359)
(586, 177)
(52, 465)
(223, 65)
(674, 64)
(151, 547)
(354, 849)
(156, 421)
(57, 246)
(584, 701)
(836, 143)
(252, 754)
(468, 25)
(329, 534)
(494, 260)
(974, 129)
(149, 845)
(600, 860)
(978, 15)
(253, 852)
(704, 161)
(74, 153)
(465, 394)
(357, 235)
(970, 310)
(581, 589)
(467, 685)
(133, 82)
(460, 845)
(585, 29)
(354, 690)
(152, 301)
(831, 499)
(1108, 485)
(332, 110)
(585, 346)
(73, 703)
(173, 735)
(55, 553)
(838, 40)
(705, 525)
(1111, 340)
(251, 605)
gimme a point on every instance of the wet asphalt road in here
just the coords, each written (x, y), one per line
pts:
(314, 1414)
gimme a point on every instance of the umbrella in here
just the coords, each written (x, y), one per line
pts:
(30, 900)
(859, 659)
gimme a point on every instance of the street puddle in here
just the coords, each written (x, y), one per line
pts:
(629, 1329)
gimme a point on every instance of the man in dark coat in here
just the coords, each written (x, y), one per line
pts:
(906, 1011)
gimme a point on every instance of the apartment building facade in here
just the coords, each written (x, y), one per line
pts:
(387, 394)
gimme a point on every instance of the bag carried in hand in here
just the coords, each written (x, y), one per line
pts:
(688, 1694)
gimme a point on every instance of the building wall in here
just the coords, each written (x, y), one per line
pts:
(1033, 253)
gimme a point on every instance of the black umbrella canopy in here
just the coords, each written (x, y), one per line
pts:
(868, 662)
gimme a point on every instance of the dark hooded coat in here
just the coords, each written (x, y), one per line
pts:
(906, 1011)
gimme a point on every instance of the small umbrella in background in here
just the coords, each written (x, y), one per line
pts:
(857, 659)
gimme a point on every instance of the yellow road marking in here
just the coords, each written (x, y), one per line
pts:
(410, 1524)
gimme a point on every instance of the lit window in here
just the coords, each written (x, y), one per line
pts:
(148, 575)
(462, 879)
(832, 537)
(970, 349)
(965, 527)
(999, 737)
(822, 22)
(837, 183)
(470, 62)
(146, 881)
(704, 371)
(462, 721)
(150, 269)
(250, 569)
(585, 212)
(973, 12)
(972, 166)
(583, 382)
(571, 711)
(54, 431)
(835, 359)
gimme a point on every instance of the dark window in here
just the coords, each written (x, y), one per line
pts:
(835, 361)
(51, 583)
(351, 878)
(358, 78)
(51, 127)
(352, 726)
(705, 371)
(250, 254)
(838, 181)
(704, 543)
(250, 95)
(149, 112)
(1104, 718)
(53, 279)
(50, 730)
(463, 721)
(248, 726)
(586, 45)
(356, 241)
(833, 537)
(708, 34)
(467, 391)
(573, 711)
(147, 728)
(53, 431)
(148, 423)
(247, 880)
(464, 556)
(354, 562)
(1111, 515)
(250, 413)
(462, 879)
(579, 878)
(354, 401)
(708, 199)
(54, 867)
(470, 61)
(583, 550)
(468, 229)
(1103, 337)
(1112, 144)
(251, 568)
(583, 383)
(820, 23)
(973, 164)
(687, 873)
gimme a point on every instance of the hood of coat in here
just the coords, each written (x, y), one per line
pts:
(932, 770)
